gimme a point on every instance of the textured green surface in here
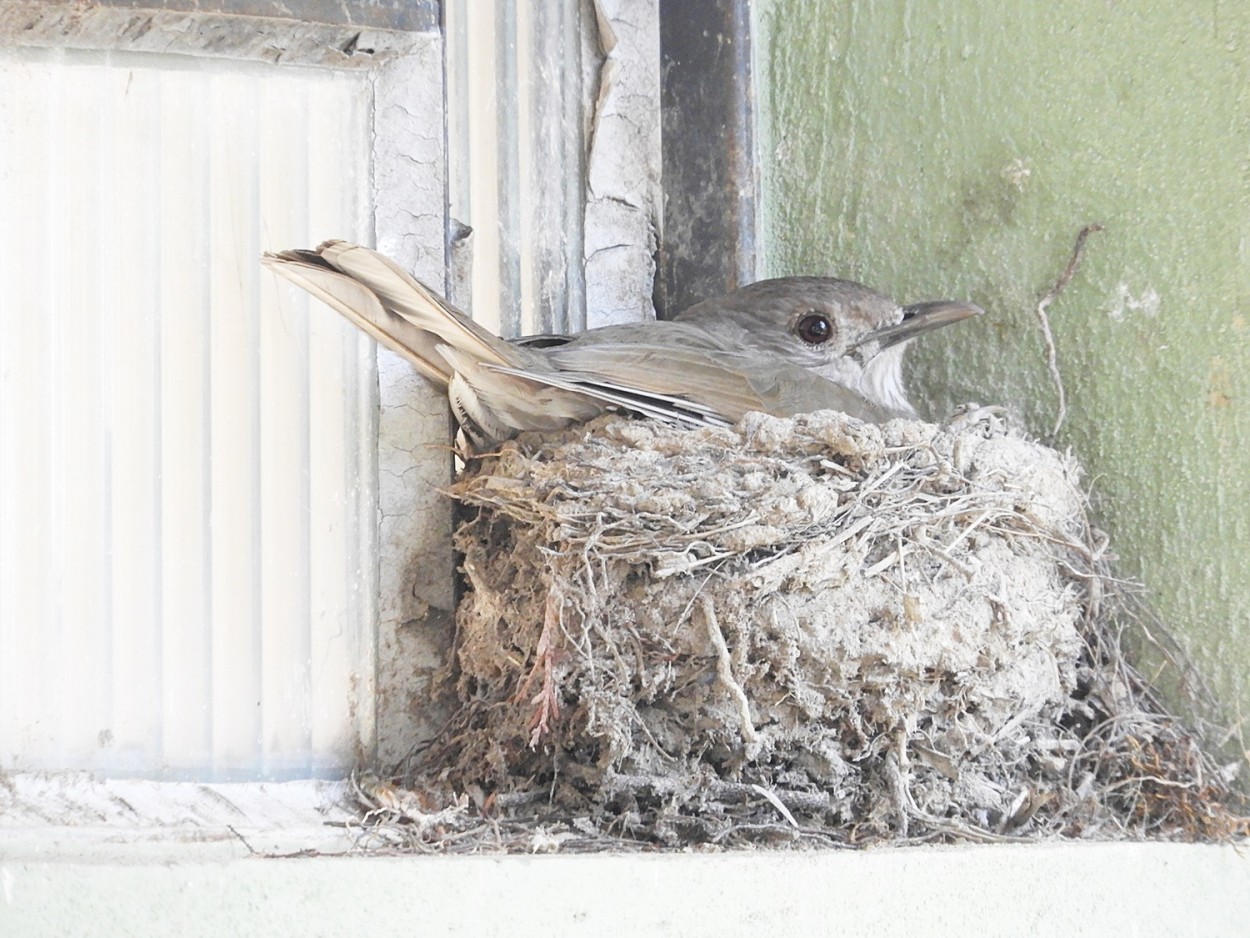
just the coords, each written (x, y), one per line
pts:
(955, 148)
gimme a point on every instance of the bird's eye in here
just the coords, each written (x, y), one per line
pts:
(814, 329)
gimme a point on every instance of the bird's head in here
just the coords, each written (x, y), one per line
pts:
(840, 329)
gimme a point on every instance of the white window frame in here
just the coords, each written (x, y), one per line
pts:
(408, 172)
(415, 564)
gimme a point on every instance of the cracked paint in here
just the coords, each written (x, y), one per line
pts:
(416, 575)
(623, 166)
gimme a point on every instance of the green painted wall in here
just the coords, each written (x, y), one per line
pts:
(955, 147)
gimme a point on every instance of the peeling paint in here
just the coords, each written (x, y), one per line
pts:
(623, 166)
(1146, 303)
(1017, 172)
(416, 572)
(190, 32)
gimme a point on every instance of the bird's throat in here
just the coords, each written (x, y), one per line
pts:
(881, 381)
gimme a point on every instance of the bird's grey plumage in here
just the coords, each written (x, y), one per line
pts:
(784, 346)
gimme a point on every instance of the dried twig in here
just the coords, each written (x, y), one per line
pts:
(1052, 357)
(724, 670)
(546, 702)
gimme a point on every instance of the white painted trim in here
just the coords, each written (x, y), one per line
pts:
(71, 814)
(416, 567)
(1048, 889)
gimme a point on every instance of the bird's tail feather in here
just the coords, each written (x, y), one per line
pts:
(400, 312)
(403, 294)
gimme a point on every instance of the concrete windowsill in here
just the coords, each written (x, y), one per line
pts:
(128, 886)
(80, 855)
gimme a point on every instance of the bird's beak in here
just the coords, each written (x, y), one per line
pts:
(923, 317)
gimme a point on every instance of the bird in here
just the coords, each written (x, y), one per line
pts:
(783, 346)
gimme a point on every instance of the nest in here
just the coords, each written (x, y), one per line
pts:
(805, 630)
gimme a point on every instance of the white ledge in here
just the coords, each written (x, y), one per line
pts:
(138, 887)
(81, 855)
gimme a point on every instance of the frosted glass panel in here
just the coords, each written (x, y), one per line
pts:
(186, 458)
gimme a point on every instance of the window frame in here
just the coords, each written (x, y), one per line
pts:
(401, 48)
(404, 52)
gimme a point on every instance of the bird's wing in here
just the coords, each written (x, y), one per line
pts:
(542, 340)
(663, 372)
(496, 396)
(695, 385)
(667, 408)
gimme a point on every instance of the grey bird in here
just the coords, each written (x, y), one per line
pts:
(784, 347)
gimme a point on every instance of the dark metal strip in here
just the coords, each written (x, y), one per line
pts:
(708, 243)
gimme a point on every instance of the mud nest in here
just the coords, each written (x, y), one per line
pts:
(807, 630)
